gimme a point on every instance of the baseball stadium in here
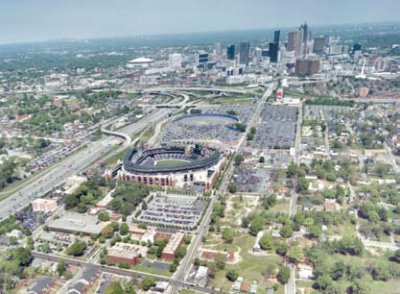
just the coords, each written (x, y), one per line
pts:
(173, 166)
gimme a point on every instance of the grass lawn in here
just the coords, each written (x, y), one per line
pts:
(227, 101)
(150, 270)
(250, 267)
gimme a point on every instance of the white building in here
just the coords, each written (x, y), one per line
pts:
(175, 60)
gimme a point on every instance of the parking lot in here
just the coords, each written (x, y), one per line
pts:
(217, 126)
(181, 211)
(277, 129)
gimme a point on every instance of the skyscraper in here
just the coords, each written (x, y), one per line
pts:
(273, 52)
(306, 38)
(244, 53)
(230, 52)
(277, 34)
(292, 40)
(319, 44)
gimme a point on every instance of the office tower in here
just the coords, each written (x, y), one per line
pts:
(357, 47)
(175, 60)
(277, 34)
(202, 58)
(258, 56)
(303, 38)
(299, 48)
(307, 66)
(230, 52)
(319, 44)
(265, 52)
(273, 52)
(244, 53)
(292, 40)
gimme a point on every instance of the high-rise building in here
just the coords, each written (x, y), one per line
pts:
(202, 58)
(258, 55)
(230, 52)
(357, 47)
(292, 41)
(299, 50)
(244, 53)
(277, 34)
(303, 38)
(307, 66)
(175, 60)
(319, 44)
(273, 52)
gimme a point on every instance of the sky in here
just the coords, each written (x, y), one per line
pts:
(39, 20)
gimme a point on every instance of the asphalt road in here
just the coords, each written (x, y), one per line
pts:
(73, 164)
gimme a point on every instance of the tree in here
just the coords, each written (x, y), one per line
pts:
(123, 229)
(180, 252)
(107, 232)
(228, 235)
(359, 287)
(77, 248)
(286, 231)
(232, 188)
(292, 169)
(238, 159)
(61, 267)
(262, 159)
(281, 248)
(266, 242)
(232, 275)
(303, 184)
(147, 283)
(103, 216)
(323, 282)
(338, 270)
(256, 225)
(295, 254)
(283, 275)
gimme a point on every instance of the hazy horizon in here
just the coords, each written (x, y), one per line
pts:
(28, 21)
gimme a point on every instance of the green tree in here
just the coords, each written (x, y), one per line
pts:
(147, 283)
(295, 254)
(266, 242)
(338, 270)
(103, 216)
(283, 275)
(123, 229)
(228, 235)
(77, 248)
(61, 267)
(232, 275)
(286, 231)
(256, 225)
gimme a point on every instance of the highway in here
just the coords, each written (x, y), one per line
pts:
(71, 165)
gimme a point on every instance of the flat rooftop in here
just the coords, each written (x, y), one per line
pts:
(124, 250)
(78, 222)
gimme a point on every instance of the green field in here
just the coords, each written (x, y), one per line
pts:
(170, 162)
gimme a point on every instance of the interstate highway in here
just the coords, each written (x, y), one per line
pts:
(73, 164)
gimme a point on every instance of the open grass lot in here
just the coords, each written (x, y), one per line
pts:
(250, 267)
(150, 270)
(227, 101)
